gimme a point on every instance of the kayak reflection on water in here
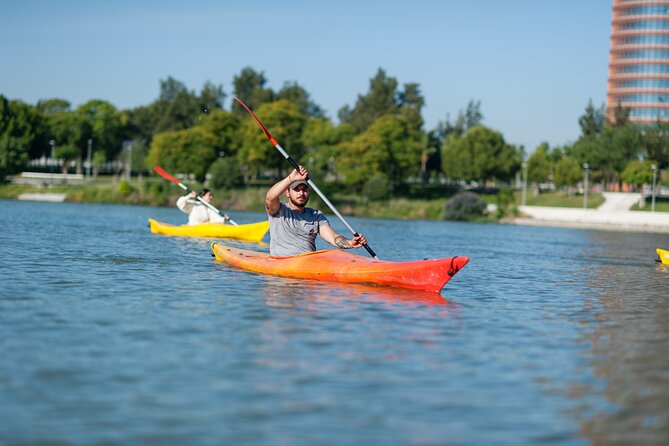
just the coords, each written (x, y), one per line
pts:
(288, 292)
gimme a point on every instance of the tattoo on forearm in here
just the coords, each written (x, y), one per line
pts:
(342, 242)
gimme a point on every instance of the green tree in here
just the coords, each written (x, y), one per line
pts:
(621, 145)
(53, 106)
(211, 97)
(320, 132)
(469, 118)
(621, 115)
(592, 122)
(466, 119)
(225, 127)
(225, 173)
(567, 173)
(638, 173)
(286, 124)
(99, 158)
(382, 99)
(480, 154)
(177, 108)
(431, 157)
(101, 122)
(557, 154)
(411, 103)
(539, 166)
(138, 153)
(655, 143)
(376, 187)
(22, 132)
(68, 129)
(13, 156)
(320, 138)
(391, 146)
(66, 153)
(249, 86)
(183, 151)
(140, 122)
(590, 150)
(296, 94)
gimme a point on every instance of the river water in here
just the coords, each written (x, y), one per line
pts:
(112, 335)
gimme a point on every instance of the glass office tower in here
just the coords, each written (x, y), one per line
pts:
(639, 60)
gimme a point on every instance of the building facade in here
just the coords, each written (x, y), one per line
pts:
(639, 60)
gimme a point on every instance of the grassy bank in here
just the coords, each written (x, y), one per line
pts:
(661, 205)
(418, 206)
(157, 192)
(561, 200)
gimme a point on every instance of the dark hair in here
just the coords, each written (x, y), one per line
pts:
(203, 192)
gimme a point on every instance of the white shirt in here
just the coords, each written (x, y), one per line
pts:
(197, 212)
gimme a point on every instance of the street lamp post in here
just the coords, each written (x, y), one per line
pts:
(129, 161)
(585, 186)
(652, 201)
(523, 199)
(88, 161)
(52, 143)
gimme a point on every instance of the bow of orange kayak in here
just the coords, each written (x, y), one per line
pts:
(342, 266)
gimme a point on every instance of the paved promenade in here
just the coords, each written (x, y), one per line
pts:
(612, 215)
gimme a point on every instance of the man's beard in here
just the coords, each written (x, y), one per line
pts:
(299, 205)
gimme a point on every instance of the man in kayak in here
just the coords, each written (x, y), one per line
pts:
(197, 212)
(293, 227)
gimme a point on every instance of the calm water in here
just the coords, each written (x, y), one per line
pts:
(112, 335)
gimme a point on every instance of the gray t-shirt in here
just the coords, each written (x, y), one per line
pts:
(293, 233)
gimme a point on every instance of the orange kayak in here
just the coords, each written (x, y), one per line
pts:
(341, 266)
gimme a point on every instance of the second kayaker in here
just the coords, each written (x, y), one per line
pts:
(197, 212)
(293, 227)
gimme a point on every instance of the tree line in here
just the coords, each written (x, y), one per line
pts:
(614, 150)
(379, 141)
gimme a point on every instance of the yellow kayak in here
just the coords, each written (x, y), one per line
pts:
(253, 232)
(663, 254)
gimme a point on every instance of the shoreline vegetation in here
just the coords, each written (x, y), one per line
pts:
(421, 203)
(377, 160)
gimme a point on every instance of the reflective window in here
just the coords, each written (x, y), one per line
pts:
(642, 69)
(646, 10)
(655, 113)
(645, 24)
(644, 54)
(645, 98)
(648, 39)
(643, 83)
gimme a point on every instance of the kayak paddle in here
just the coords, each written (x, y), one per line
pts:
(311, 183)
(160, 171)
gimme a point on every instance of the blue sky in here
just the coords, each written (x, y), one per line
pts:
(534, 65)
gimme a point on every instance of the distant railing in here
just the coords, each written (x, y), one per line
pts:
(48, 178)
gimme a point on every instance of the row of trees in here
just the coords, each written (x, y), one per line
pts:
(380, 138)
(616, 151)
